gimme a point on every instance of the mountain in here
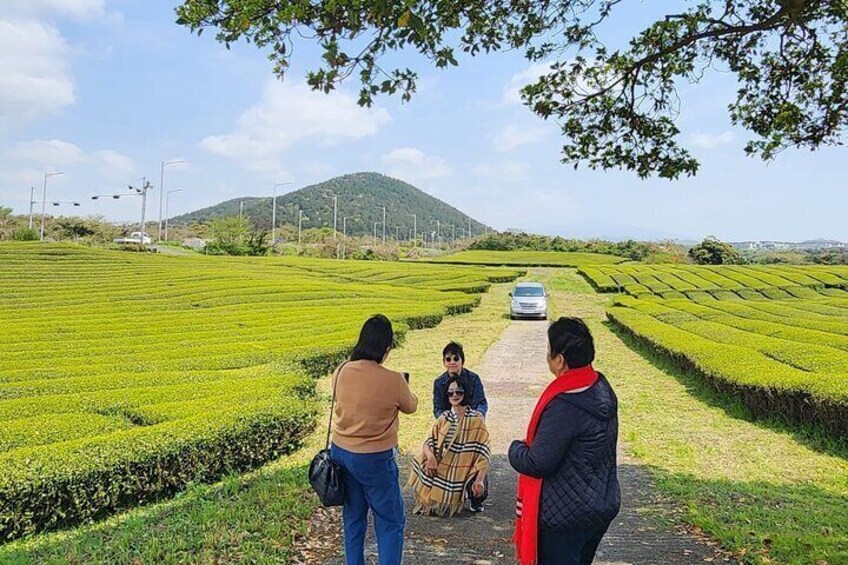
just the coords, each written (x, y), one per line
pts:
(361, 197)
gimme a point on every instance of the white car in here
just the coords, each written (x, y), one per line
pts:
(528, 300)
(135, 237)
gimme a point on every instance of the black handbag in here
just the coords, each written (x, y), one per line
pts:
(325, 475)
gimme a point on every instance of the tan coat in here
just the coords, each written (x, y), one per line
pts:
(368, 399)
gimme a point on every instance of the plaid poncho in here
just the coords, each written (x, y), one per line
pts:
(462, 449)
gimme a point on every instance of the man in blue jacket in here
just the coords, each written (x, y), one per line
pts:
(572, 452)
(453, 358)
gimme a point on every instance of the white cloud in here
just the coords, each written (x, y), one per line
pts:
(55, 153)
(508, 171)
(513, 136)
(411, 164)
(512, 90)
(290, 114)
(707, 141)
(113, 165)
(80, 9)
(34, 77)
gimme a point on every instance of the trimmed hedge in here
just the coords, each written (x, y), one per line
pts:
(124, 377)
(47, 488)
(776, 282)
(801, 383)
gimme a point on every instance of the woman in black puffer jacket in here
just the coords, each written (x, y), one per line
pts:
(568, 492)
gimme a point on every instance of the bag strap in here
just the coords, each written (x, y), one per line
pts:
(333, 404)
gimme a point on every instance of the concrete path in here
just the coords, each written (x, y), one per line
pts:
(514, 372)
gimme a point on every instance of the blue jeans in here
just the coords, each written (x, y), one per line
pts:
(371, 482)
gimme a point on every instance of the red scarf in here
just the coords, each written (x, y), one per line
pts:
(529, 488)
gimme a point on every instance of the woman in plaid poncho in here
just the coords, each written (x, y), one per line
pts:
(454, 460)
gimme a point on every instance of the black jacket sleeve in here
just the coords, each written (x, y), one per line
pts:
(440, 403)
(557, 426)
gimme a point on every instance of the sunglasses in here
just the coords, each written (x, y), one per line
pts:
(452, 358)
(457, 392)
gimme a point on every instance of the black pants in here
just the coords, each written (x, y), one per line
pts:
(569, 547)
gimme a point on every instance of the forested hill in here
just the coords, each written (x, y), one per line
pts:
(361, 197)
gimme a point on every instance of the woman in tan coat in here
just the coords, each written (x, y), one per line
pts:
(364, 443)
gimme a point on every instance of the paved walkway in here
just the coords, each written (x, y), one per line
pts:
(515, 372)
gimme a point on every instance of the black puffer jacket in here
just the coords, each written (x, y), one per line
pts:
(573, 453)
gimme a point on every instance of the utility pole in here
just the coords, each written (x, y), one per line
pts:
(344, 237)
(397, 234)
(375, 230)
(162, 191)
(335, 215)
(167, 202)
(31, 202)
(469, 227)
(384, 225)
(274, 211)
(44, 200)
(299, 226)
(414, 229)
(438, 230)
(145, 184)
(241, 209)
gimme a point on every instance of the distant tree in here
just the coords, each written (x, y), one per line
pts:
(258, 242)
(7, 222)
(75, 228)
(229, 234)
(711, 251)
(616, 106)
(25, 234)
(102, 230)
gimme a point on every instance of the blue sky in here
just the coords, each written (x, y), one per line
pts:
(104, 90)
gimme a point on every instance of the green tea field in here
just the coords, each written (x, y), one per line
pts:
(124, 377)
(774, 337)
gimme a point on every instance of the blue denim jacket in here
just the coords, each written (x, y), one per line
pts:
(473, 386)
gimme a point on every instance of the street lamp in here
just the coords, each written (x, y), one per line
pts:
(335, 215)
(274, 210)
(344, 237)
(414, 228)
(162, 191)
(384, 225)
(31, 202)
(44, 200)
(438, 230)
(167, 202)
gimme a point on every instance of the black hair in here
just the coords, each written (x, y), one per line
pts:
(453, 348)
(466, 398)
(375, 339)
(571, 338)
